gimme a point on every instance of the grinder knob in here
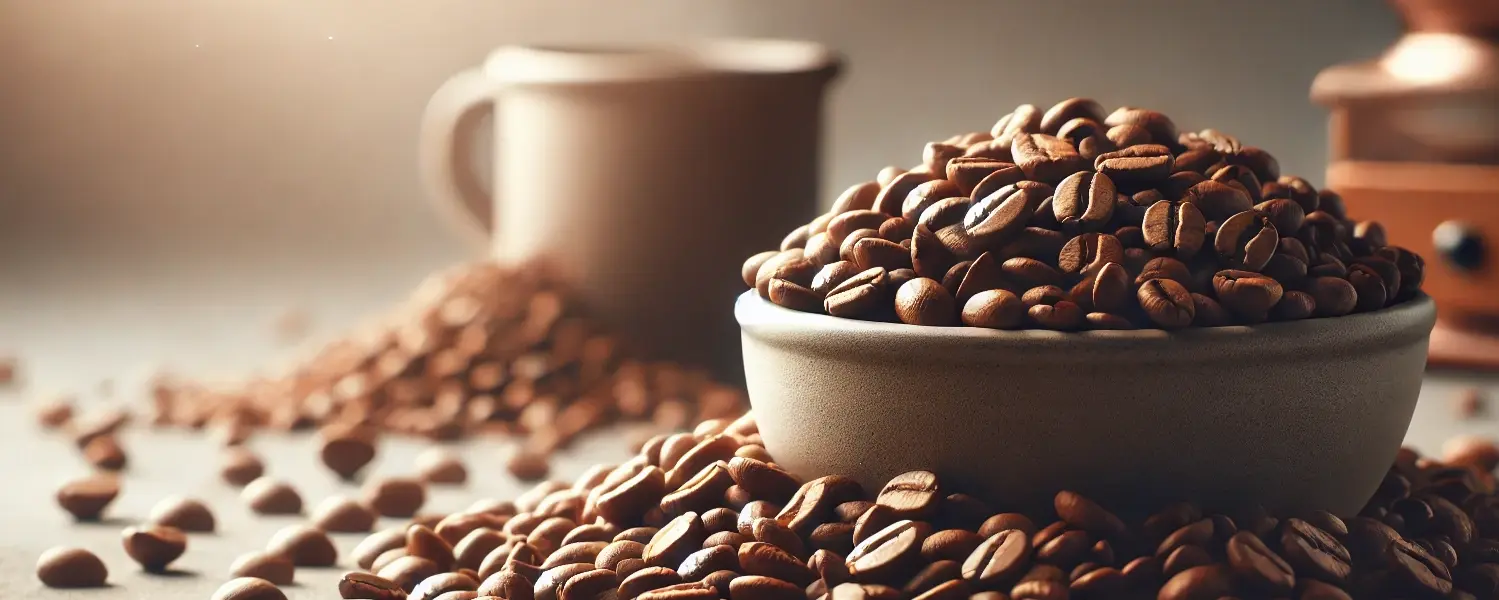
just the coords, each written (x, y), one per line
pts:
(1460, 244)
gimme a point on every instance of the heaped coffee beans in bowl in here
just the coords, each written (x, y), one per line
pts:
(1070, 219)
(709, 514)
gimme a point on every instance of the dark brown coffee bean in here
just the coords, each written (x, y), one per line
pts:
(967, 172)
(928, 256)
(996, 219)
(1174, 227)
(925, 195)
(1084, 201)
(1166, 303)
(769, 531)
(1311, 589)
(831, 275)
(1217, 201)
(874, 520)
(547, 537)
(1126, 135)
(999, 561)
(931, 576)
(1246, 294)
(1285, 214)
(1164, 267)
(794, 297)
(549, 583)
(757, 587)
(1208, 581)
(1246, 241)
(346, 450)
(897, 229)
(758, 558)
(1161, 129)
(630, 500)
(1240, 177)
(860, 295)
(889, 554)
(1289, 271)
(1327, 265)
(507, 585)
(645, 580)
(962, 511)
(154, 546)
(1370, 289)
(1067, 110)
(700, 493)
(1046, 158)
(249, 588)
(1004, 521)
(1201, 160)
(1063, 315)
(1084, 131)
(183, 513)
(1183, 558)
(271, 567)
(720, 519)
(1412, 270)
(590, 585)
(1084, 514)
(87, 498)
(1417, 569)
(1067, 549)
(913, 495)
(1334, 297)
(671, 545)
(470, 552)
(1089, 252)
(1108, 289)
(835, 537)
(442, 583)
(1136, 167)
(1026, 118)
(945, 213)
(982, 273)
(888, 203)
(307, 546)
(1258, 566)
(240, 466)
(1314, 553)
(71, 568)
(423, 542)
(994, 309)
(813, 503)
(950, 545)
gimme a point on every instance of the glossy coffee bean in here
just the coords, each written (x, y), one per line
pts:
(923, 301)
(1084, 201)
(994, 309)
(1248, 295)
(71, 568)
(1046, 158)
(1166, 303)
(1137, 167)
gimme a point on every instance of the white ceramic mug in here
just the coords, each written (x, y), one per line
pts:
(646, 175)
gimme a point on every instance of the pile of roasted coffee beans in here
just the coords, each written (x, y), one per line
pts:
(477, 348)
(708, 514)
(1073, 218)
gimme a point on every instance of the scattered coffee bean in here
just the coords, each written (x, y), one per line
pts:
(346, 450)
(395, 496)
(239, 466)
(248, 588)
(271, 567)
(526, 465)
(305, 545)
(153, 546)
(343, 514)
(55, 413)
(105, 452)
(441, 466)
(269, 496)
(186, 514)
(71, 568)
(87, 498)
(407, 571)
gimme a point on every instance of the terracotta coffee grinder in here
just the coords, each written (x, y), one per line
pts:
(1415, 146)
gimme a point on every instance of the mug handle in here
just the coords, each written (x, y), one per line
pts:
(446, 152)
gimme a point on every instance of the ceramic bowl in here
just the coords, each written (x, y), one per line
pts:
(1289, 416)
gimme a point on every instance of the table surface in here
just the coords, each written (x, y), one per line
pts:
(74, 332)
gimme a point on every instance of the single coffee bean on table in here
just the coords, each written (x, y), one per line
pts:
(272, 567)
(183, 513)
(154, 546)
(269, 496)
(87, 498)
(71, 568)
(1071, 198)
(248, 588)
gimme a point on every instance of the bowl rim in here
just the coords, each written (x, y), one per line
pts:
(1360, 333)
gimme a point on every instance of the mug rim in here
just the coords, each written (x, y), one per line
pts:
(593, 63)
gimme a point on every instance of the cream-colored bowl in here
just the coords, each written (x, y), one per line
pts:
(1289, 416)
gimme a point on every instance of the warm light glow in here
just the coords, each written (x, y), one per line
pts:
(1432, 57)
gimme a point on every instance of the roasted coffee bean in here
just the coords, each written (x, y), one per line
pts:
(1217, 201)
(999, 561)
(757, 587)
(1089, 252)
(617, 552)
(980, 274)
(1174, 227)
(1369, 287)
(590, 585)
(308, 546)
(641, 535)
(1246, 241)
(813, 502)
(831, 275)
(931, 576)
(549, 583)
(269, 496)
(1067, 110)
(1412, 270)
(240, 466)
(470, 552)
(395, 496)
(1084, 201)
(1294, 305)
(249, 588)
(346, 450)
(1004, 521)
(343, 514)
(377, 543)
(835, 537)
(944, 213)
(897, 229)
(925, 195)
(274, 568)
(645, 580)
(769, 531)
(1314, 553)
(456, 526)
(1088, 135)
(1159, 126)
(105, 452)
(1201, 160)
(887, 203)
(1286, 269)
(1246, 294)
(1417, 570)
(70, 568)
(1285, 214)
(1062, 315)
(1240, 177)
(859, 295)
(154, 546)
(859, 196)
(967, 172)
(889, 554)
(996, 219)
(671, 545)
(1164, 267)
(185, 514)
(507, 585)
(1208, 581)
(1327, 265)
(442, 583)
(1136, 167)
(1166, 303)
(923, 301)
(1258, 566)
(1046, 158)
(1334, 296)
(758, 558)
(1084, 514)
(950, 544)
(87, 498)
(717, 520)
(753, 264)
(913, 495)
(1067, 549)
(994, 309)
(1026, 118)
(1183, 558)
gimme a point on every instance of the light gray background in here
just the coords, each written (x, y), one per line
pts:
(174, 173)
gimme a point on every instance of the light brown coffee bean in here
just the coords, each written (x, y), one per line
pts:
(269, 496)
(1046, 158)
(441, 466)
(407, 571)
(759, 558)
(645, 580)
(442, 583)
(925, 195)
(994, 309)
(929, 257)
(1109, 289)
(1207, 581)
(456, 526)
(87, 498)
(1089, 252)
(813, 503)
(71, 568)
(923, 301)
(1256, 564)
(913, 495)
(1127, 135)
(888, 203)
(859, 196)
(1246, 241)
(968, 171)
(1068, 110)
(753, 264)
(872, 252)
(795, 297)
(343, 514)
(1174, 227)
(999, 561)
(507, 585)
(271, 567)
(153, 546)
(1026, 118)
(239, 466)
(889, 554)
(248, 588)
(831, 275)
(701, 493)
(996, 219)
(1166, 303)
(1137, 167)
(105, 452)
(616, 552)
(671, 545)
(304, 545)
(630, 500)
(183, 513)
(422, 542)
(773, 484)
(395, 496)
(547, 536)
(346, 450)
(944, 213)
(1084, 201)
(1007, 176)
(1248, 295)
(549, 583)
(756, 587)
(950, 545)
(1164, 267)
